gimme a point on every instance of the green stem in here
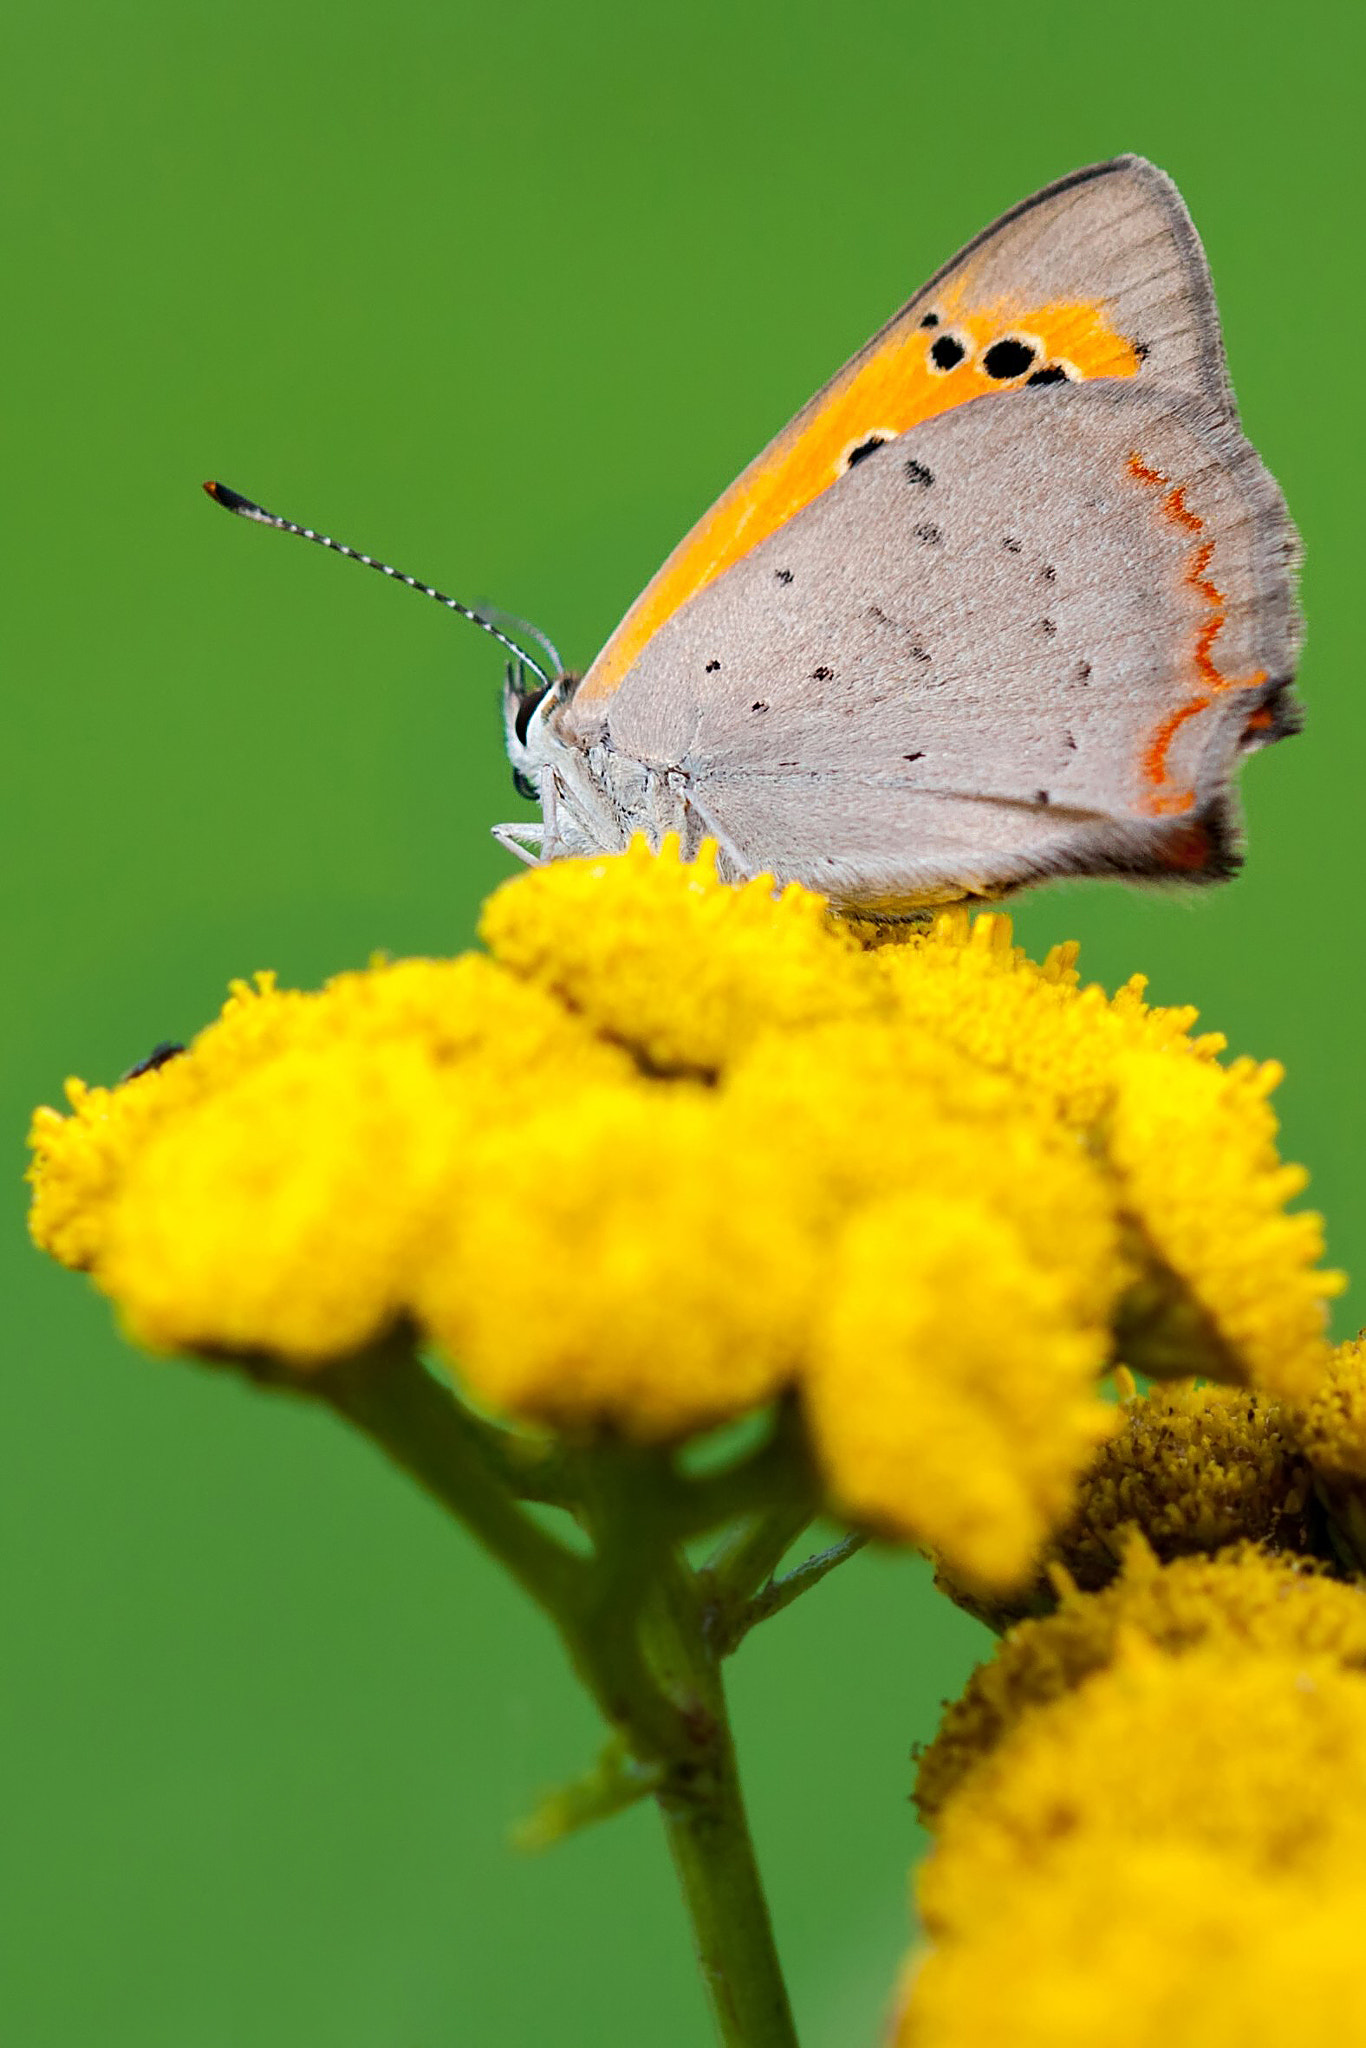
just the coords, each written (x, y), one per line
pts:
(639, 1627)
(780, 1593)
(708, 1834)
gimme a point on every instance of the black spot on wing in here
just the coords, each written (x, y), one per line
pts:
(947, 352)
(822, 674)
(932, 536)
(864, 449)
(918, 473)
(1011, 545)
(1008, 358)
(712, 667)
(760, 706)
(914, 757)
(930, 320)
(1083, 671)
(783, 575)
(1052, 373)
(1048, 627)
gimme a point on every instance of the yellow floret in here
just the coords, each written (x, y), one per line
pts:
(662, 955)
(1245, 1599)
(965, 979)
(952, 1394)
(1195, 1468)
(1332, 1429)
(1257, 1757)
(1194, 1148)
(268, 1190)
(1170, 1946)
(617, 1259)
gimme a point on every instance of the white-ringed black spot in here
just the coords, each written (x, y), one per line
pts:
(712, 667)
(1051, 373)
(946, 352)
(783, 575)
(864, 449)
(822, 674)
(931, 535)
(1008, 358)
(918, 473)
(930, 320)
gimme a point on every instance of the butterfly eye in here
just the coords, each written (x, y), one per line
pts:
(947, 351)
(527, 704)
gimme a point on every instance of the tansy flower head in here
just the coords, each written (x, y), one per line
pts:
(1194, 1469)
(1243, 1599)
(1257, 1756)
(1332, 1427)
(679, 1148)
(1172, 1945)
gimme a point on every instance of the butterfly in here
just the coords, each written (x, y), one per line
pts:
(1008, 599)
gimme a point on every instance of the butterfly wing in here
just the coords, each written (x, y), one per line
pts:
(1099, 275)
(1024, 639)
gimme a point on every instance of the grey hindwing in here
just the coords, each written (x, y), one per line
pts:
(975, 659)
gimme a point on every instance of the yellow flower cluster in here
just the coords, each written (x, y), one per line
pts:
(1193, 1469)
(673, 1148)
(1152, 1821)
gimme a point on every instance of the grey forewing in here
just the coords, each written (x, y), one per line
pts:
(992, 608)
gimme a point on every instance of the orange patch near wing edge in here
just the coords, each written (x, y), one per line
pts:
(886, 392)
(1163, 801)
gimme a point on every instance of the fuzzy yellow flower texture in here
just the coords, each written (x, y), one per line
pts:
(673, 1149)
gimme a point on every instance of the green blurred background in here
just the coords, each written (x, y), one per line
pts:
(507, 292)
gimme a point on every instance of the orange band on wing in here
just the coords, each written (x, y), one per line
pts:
(1162, 800)
(887, 392)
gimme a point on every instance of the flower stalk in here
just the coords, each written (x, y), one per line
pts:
(645, 1632)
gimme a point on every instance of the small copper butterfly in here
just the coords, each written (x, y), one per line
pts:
(1008, 599)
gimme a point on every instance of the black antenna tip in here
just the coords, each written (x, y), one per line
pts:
(231, 501)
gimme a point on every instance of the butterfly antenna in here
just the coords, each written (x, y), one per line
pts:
(511, 623)
(233, 501)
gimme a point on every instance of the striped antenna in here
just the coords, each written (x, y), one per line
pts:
(233, 501)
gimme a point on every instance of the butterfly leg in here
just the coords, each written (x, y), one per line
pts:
(523, 841)
(740, 868)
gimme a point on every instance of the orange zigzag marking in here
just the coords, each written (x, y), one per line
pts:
(1161, 801)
